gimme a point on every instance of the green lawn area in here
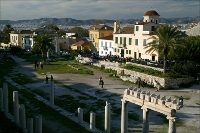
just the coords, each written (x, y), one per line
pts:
(70, 66)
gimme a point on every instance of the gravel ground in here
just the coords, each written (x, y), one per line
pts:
(189, 115)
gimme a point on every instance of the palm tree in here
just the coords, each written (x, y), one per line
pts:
(6, 32)
(165, 42)
(42, 43)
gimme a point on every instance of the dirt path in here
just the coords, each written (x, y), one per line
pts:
(189, 114)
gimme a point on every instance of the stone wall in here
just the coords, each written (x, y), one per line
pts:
(133, 76)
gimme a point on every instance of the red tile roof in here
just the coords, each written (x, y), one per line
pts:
(107, 37)
(151, 13)
(81, 43)
(143, 23)
(101, 27)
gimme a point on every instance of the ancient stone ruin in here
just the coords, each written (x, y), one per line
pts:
(148, 102)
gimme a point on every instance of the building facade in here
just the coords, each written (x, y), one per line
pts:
(131, 40)
(106, 46)
(16, 37)
(96, 32)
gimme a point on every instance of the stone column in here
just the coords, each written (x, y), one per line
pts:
(80, 115)
(38, 126)
(30, 125)
(1, 99)
(52, 94)
(145, 127)
(22, 117)
(107, 117)
(124, 117)
(16, 107)
(172, 124)
(92, 120)
(5, 98)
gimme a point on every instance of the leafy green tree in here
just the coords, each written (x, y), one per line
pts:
(80, 31)
(42, 43)
(6, 33)
(165, 42)
(191, 49)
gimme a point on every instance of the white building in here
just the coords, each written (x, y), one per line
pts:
(27, 42)
(16, 37)
(130, 41)
(106, 46)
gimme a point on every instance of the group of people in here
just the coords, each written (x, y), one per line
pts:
(37, 63)
(101, 82)
(47, 78)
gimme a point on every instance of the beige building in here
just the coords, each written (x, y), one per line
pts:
(130, 41)
(96, 32)
(16, 37)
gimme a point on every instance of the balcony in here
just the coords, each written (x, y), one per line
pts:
(146, 32)
(105, 48)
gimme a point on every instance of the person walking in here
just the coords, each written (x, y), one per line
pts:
(41, 64)
(102, 83)
(181, 100)
(47, 79)
(100, 80)
(51, 78)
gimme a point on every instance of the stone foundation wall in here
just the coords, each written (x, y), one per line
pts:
(164, 82)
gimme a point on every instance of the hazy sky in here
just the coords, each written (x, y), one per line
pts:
(96, 9)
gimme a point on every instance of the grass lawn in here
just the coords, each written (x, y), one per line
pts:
(70, 66)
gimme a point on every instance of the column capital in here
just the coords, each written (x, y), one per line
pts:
(124, 101)
(174, 119)
(145, 108)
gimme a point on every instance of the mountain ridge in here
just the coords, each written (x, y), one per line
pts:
(71, 21)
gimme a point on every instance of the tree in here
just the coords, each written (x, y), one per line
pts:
(165, 42)
(42, 43)
(6, 33)
(191, 49)
(80, 31)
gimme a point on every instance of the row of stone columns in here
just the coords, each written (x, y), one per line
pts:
(145, 127)
(93, 118)
(19, 111)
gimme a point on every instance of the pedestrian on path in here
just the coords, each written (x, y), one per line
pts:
(102, 83)
(47, 79)
(51, 78)
(41, 64)
(100, 80)
(181, 100)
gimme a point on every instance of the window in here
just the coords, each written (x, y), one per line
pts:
(101, 43)
(126, 51)
(135, 55)
(144, 42)
(101, 52)
(124, 42)
(136, 42)
(152, 28)
(105, 44)
(137, 28)
(120, 40)
(102, 34)
(110, 45)
(105, 53)
(115, 50)
(116, 40)
(95, 35)
(130, 41)
(118, 50)
(139, 55)
(129, 51)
